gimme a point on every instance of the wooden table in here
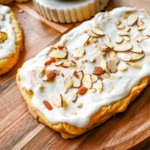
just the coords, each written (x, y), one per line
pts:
(18, 130)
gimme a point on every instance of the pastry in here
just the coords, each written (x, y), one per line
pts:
(69, 11)
(11, 39)
(9, 1)
(91, 74)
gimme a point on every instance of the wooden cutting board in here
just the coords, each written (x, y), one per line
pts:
(18, 130)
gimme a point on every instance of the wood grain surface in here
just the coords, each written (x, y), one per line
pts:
(18, 130)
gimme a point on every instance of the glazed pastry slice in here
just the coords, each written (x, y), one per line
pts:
(11, 39)
(92, 73)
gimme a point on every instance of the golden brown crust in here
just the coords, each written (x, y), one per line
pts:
(7, 63)
(9, 1)
(105, 112)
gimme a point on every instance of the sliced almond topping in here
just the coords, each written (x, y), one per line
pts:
(132, 19)
(140, 38)
(98, 70)
(104, 49)
(68, 82)
(73, 97)
(111, 65)
(119, 40)
(137, 66)
(79, 52)
(103, 64)
(97, 31)
(121, 26)
(50, 75)
(82, 90)
(123, 47)
(106, 75)
(59, 53)
(123, 33)
(94, 78)
(79, 104)
(126, 57)
(141, 28)
(91, 60)
(118, 22)
(87, 41)
(140, 23)
(87, 81)
(136, 56)
(136, 49)
(126, 38)
(122, 68)
(58, 101)
(93, 90)
(41, 72)
(3, 37)
(99, 84)
(107, 42)
(47, 105)
(49, 62)
(92, 34)
(127, 28)
(114, 57)
(76, 82)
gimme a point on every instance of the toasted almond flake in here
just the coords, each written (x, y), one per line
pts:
(111, 65)
(98, 70)
(107, 42)
(92, 34)
(47, 105)
(127, 28)
(73, 97)
(97, 31)
(119, 40)
(126, 14)
(50, 75)
(123, 33)
(136, 56)
(126, 57)
(94, 78)
(141, 28)
(50, 61)
(87, 81)
(140, 23)
(93, 90)
(68, 82)
(73, 112)
(126, 38)
(137, 66)
(121, 26)
(122, 68)
(103, 64)
(105, 75)
(132, 19)
(104, 49)
(99, 84)
(87, 41)
(79, 52)
(114, 57)
(58, 101)
(92, 59)
(123, 47)
(59, 53)
(82, 90)
(79, 104)
(118, 22)
(136, 48)
(140, 38)
(76, 82)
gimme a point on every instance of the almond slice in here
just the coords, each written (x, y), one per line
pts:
(123, 47)
(123, 33)
(47, 105)
(76, 82)
(79, 104)
(87, 81)
(126, 58)
(79, 52)
(92, 34)
(140, 23)
(107, 42)
(119, 40)
(97, 31)
(114, 57)
(99, 85)
(73, 97)
(104, 49)
(58, 101)
(103, 64)
(121, 26)
(92, 59)
(122, 68)
(118, 22)
(140, 38)
(136, 56)
(126, 38)
(59, 53)
(127, 28)
(137, 66)
(68, 82)
(82, 90)
(49, 62)
(93, 90)
(132, 19)
(94, 78)
(98, 70)
(136, 49)
(111, 65)
(50, 75)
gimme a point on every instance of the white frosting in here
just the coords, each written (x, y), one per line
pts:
(63, 3)
(123, 81)
(5, 26)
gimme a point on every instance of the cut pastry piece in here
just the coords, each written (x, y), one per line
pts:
(69, 11)
(9, 1)
(11, 39)
(98, 90)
